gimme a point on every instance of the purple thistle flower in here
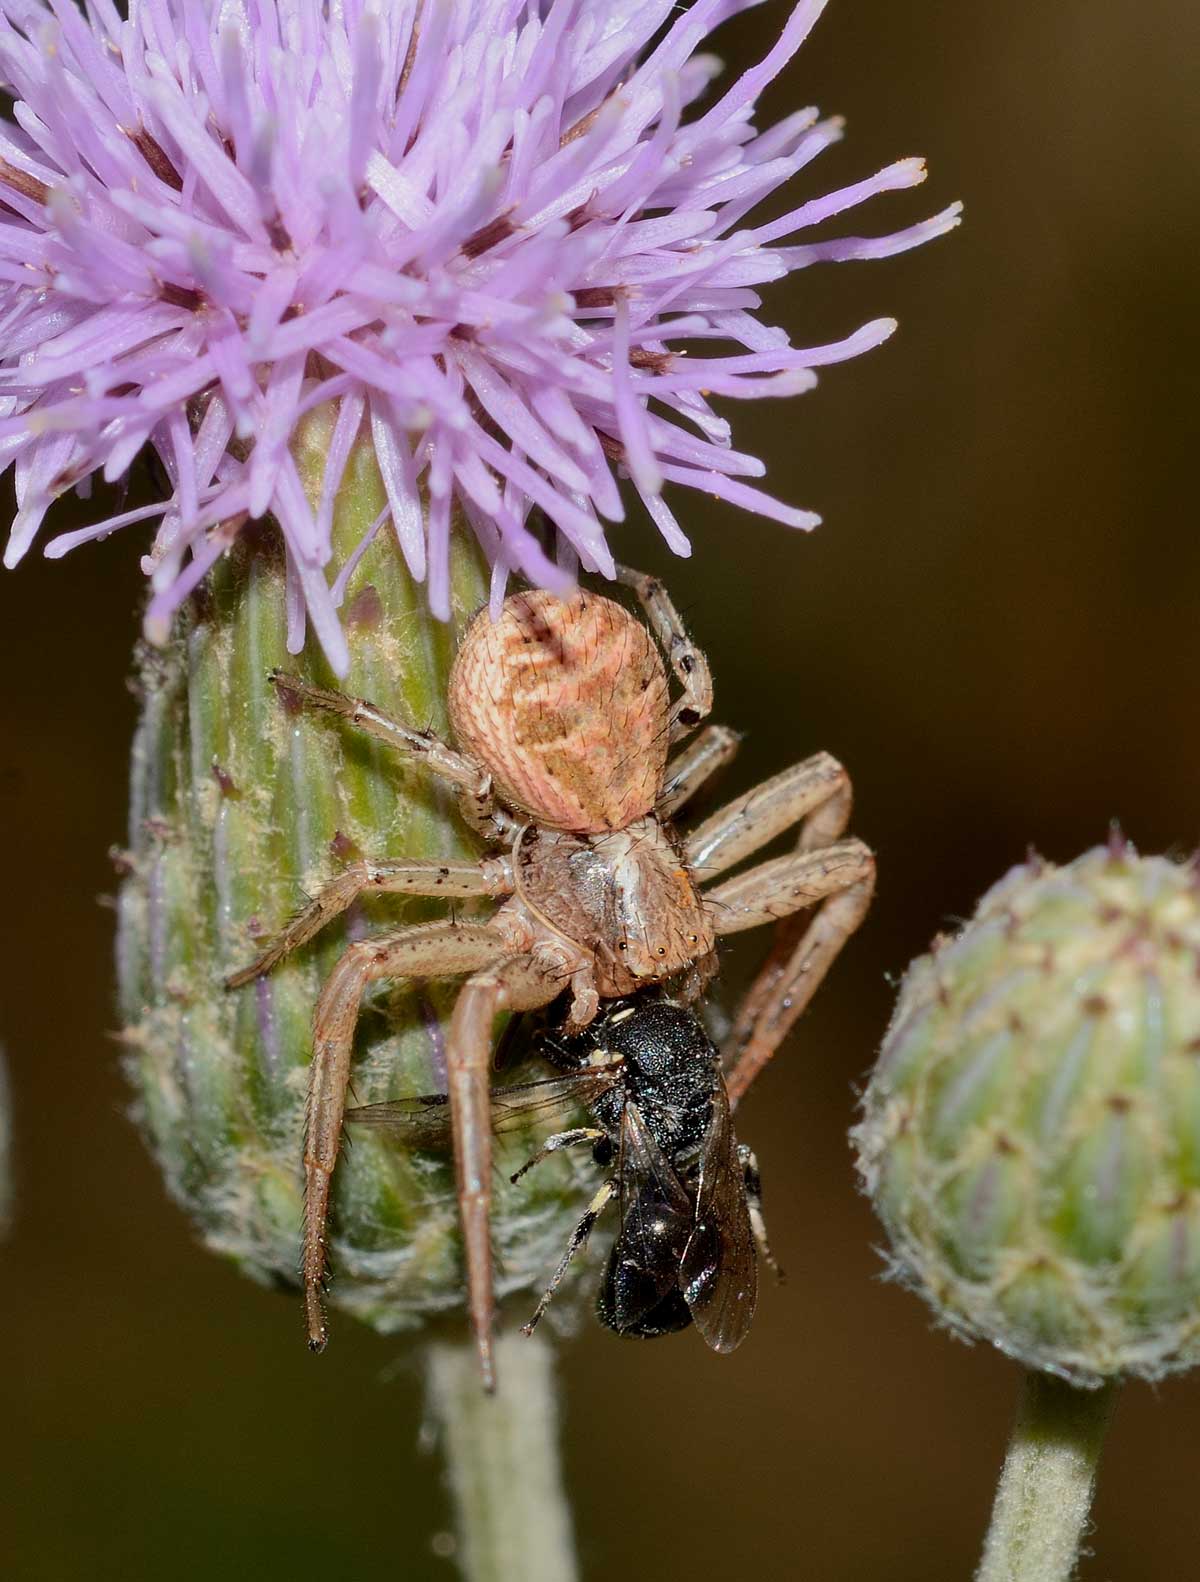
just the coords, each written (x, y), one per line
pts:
(482, 230)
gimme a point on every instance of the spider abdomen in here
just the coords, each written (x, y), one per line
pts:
(580, 741)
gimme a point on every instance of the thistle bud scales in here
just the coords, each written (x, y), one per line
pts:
(240, 809)
(1031, 1133)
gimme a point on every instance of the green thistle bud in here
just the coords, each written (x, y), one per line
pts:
(238, 811)
(1031, 1133)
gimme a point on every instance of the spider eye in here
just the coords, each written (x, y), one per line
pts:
(622, 945)
(693, 939)
(662, 950)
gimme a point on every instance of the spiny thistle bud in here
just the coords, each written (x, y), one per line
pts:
(1031, 1136)
(239, 810)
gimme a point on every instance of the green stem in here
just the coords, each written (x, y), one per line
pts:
(1045, 1489)
(514, 1523)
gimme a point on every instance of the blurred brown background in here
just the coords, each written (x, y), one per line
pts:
(995, 629)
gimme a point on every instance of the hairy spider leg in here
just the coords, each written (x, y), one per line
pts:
(794, 969)
(689, 663)
(814, 792)
(411, 876)
(472, 783)
(694, 765)
(838, 876)
(427, 950)
(520, 983)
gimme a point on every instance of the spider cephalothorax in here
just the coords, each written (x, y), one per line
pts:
(562, 710)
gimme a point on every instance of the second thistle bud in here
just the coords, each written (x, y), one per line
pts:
(1031, 1135)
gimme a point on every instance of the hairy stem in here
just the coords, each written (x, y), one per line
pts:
(514, 1524)
(1045, 1489)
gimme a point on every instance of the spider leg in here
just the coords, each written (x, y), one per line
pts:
(841, 879)
(578, 1239)
(786, 885)
(429, 950)
(519, 983)
(472, 783)
(412, 876)
(814, 794)
(693, 765)
(686, 660)
(837, 875)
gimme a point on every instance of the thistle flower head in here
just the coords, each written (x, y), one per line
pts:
(1031, 1133)
(483, 234)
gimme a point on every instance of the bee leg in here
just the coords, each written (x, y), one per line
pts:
(579, 1134)
(758, 1225)
(578, 1239)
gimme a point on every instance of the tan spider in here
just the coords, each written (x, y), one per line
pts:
(562, 711)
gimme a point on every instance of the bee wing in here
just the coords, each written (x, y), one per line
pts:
(719, 1269)
(656, 1221)
(424, 1122)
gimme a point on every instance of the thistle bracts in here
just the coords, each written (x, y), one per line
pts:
(239, 811)
(1031, 1136)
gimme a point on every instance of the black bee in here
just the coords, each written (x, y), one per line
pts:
(687, 1193)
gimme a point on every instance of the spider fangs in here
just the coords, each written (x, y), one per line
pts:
(563, 718)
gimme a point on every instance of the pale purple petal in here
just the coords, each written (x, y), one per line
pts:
(482, 236)
(742, 494)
